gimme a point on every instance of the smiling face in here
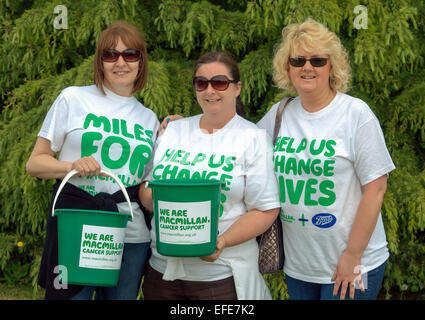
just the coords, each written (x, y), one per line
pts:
(308, 79)
(215, 102)
(119, 76)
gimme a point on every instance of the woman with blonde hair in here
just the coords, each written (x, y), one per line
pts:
(101, 126)
(331, 163)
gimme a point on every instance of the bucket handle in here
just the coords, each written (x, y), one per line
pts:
(113, 176)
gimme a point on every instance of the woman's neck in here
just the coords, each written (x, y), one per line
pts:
(121, 91)
(211, 122)
(315, 102)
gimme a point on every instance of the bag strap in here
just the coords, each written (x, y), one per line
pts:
(278, 119)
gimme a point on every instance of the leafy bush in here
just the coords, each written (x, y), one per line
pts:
(38, 61)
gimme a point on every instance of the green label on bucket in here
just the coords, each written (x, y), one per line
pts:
(101, 247)
(184, 222)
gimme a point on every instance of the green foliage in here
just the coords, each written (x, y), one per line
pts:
(33, 49)
(195, 26)
(277, 285)
(38, 61)
(17, 256)
(15, 272)
(169, 89)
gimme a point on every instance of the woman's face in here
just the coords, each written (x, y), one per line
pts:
(213, 101)
(119, 76)
(308, 79)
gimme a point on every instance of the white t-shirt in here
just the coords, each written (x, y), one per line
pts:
(119, 132)
(239, 154)
(321, 160)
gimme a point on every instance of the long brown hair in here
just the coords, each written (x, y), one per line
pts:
(132, 38)
(227, 59)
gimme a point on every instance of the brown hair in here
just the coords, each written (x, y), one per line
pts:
(227, 59)
(132, 38)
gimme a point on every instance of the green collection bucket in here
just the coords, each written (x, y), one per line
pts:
(186, 216)
(90, 242)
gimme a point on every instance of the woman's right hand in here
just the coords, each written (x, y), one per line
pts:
(86, 166)
(220, 245)
(44, 165)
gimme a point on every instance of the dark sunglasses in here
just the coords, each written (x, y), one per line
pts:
(315, 62)
(219, 83)
(129, 55)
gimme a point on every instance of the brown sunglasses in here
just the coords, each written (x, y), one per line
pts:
(129, 55)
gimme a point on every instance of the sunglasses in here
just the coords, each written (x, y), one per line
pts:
(315, 62)
(129, 55)
(219, 83)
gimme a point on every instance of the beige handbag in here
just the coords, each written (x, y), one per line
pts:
(270, 243)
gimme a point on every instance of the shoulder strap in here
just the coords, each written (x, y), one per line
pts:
(278, 119)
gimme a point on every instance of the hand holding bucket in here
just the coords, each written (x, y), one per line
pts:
(186, 216)
(91, 242)
(73, 172)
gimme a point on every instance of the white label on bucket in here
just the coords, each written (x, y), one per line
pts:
(101, 247)
(184, 222)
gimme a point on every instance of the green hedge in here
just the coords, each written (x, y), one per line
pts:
(38, 61)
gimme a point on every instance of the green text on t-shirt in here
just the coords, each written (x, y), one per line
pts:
(292, 188)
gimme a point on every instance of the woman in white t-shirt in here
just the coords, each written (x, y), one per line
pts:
(101, 126)
(236, 152)
(331, 162)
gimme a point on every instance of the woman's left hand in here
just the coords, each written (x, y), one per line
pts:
(248, 226)
(346, 275)
(348, 271)
(221, 244)
(167, 119)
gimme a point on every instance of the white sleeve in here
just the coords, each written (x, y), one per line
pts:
(261, 188)
(267, 122)
(371, 158)
(148, 170)
(55, 124)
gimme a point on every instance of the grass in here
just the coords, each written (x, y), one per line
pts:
(26, 292)
(19, 292)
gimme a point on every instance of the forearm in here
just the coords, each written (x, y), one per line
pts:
(250, 225)
(145, 196)
(45, 166)
(366, 218)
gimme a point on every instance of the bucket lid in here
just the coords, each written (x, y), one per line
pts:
(185, 182)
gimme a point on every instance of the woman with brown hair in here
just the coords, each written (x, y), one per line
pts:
(249, 200)
(101, 126)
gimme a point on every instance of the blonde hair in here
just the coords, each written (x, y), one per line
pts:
(311, 35)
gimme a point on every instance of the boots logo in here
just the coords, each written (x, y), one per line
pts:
(323, 220)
